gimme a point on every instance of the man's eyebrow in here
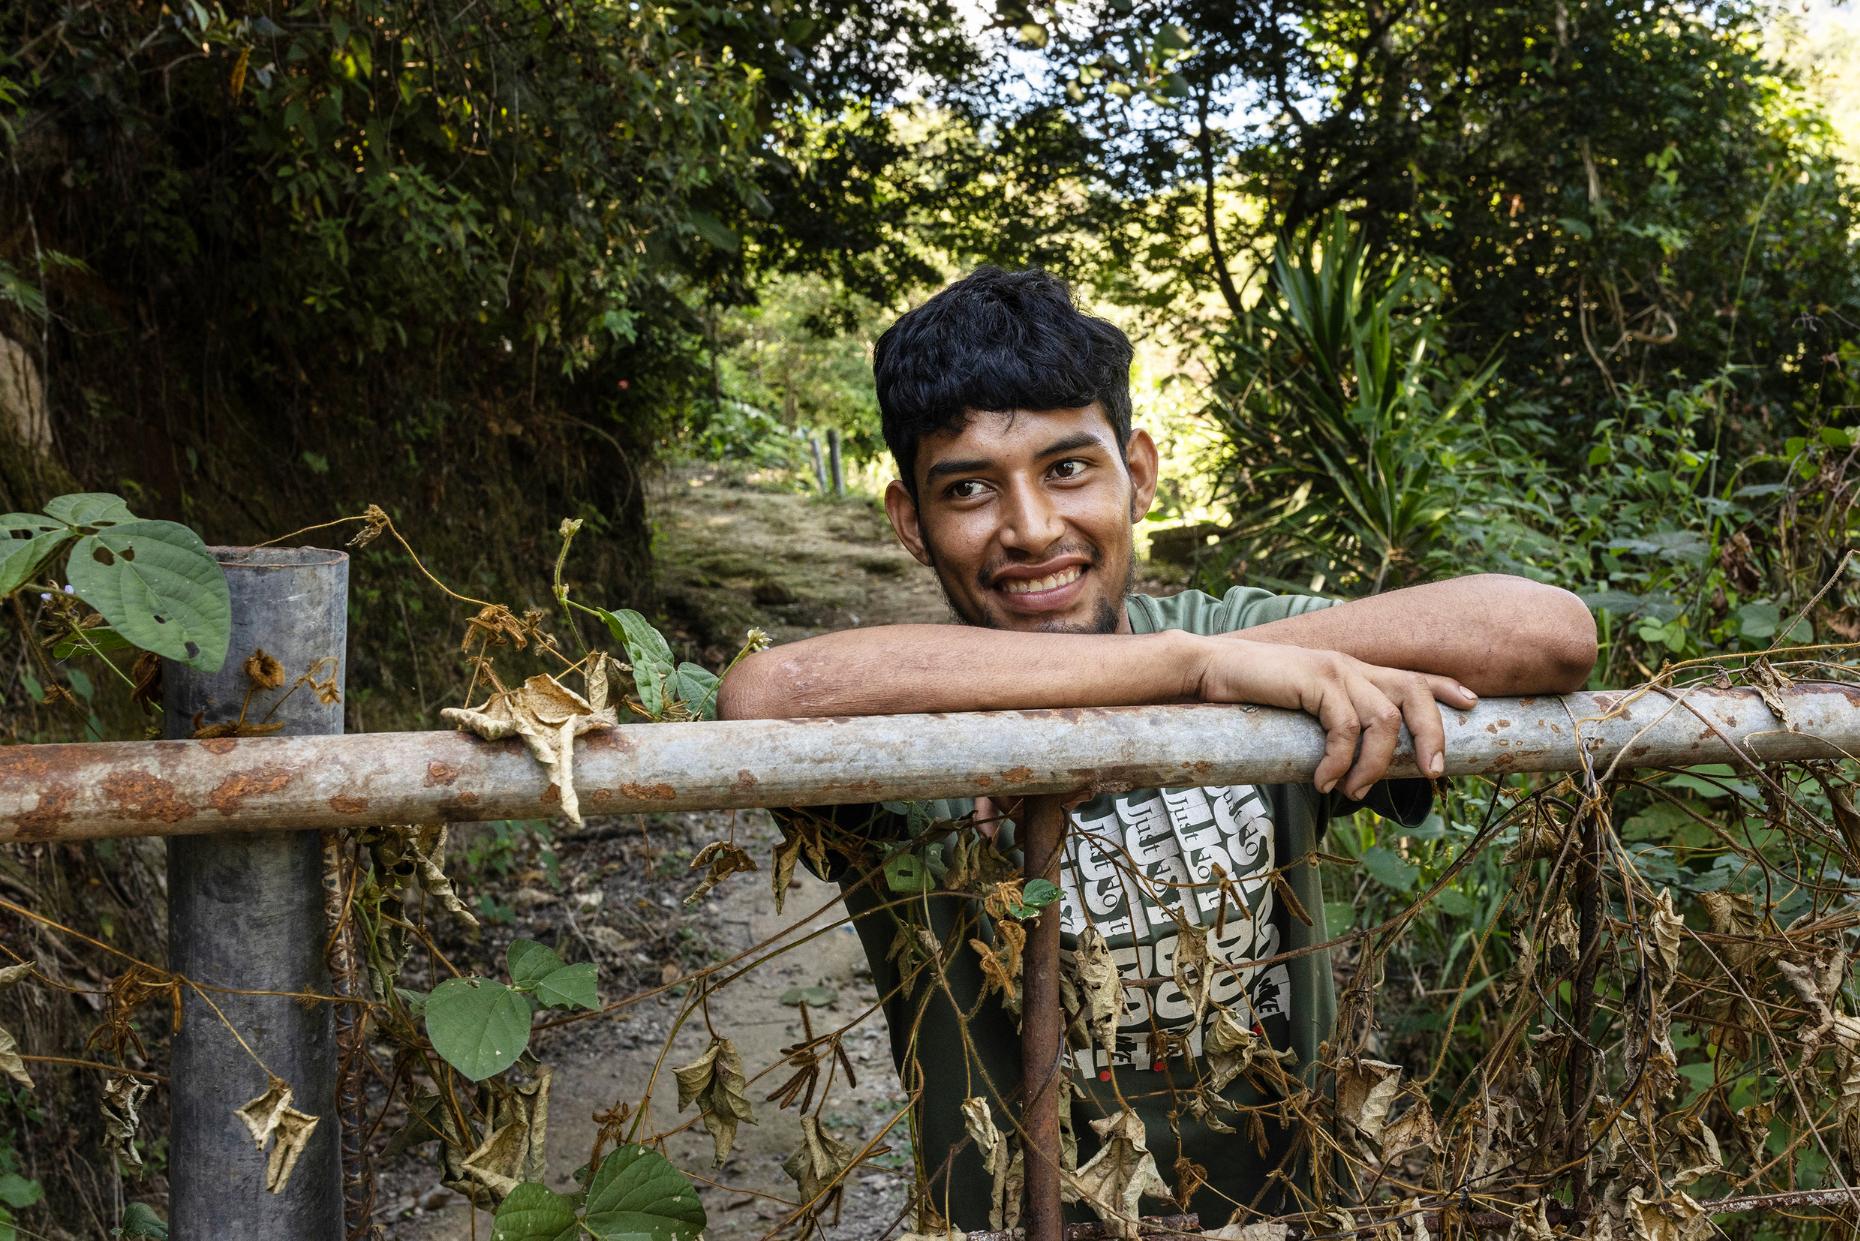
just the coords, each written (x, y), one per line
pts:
(942, 469)
(981, 465)
(1071, 443)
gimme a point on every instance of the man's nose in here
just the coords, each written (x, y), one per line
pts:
(1032, 523)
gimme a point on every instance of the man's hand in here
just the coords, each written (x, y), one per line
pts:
(1361, 706)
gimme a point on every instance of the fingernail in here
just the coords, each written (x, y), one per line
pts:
(1467, 692)
(1437, 764)
(1327, 786)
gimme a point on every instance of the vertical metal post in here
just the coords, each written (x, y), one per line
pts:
(1042, 1031)
(246, 911)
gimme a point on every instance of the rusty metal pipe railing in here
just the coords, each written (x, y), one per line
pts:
(165, 788)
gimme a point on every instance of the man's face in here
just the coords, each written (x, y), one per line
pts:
(1026, 517)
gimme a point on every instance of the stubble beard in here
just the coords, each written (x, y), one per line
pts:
(1107, 616)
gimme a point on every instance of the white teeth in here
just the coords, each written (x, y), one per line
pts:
(1051, 581)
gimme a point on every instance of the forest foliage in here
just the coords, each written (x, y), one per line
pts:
(1560, 287)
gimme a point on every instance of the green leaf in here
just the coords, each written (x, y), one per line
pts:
(101, 640)
(1033, 34)
(697, 689)
(530, 962)
(572, 986)
(715, 231)
(1760, 619)
(535, 1212)
(25, 525)
(637, 1195)
(1453, 903)
(1039, 893)
(18, 1192)
(1576, 228)
(646, 651)
(90, 508)
(906, 872)
(479, 1027)
(20, 558)
(813, 997)
(140, 1220)
(1389, 868)
(158, 586)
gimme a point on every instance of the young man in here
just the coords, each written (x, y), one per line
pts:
(1020, 476)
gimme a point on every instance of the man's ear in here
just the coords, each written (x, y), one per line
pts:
(1140, 460)
(903, 513)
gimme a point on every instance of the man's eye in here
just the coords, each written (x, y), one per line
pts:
(1071, 467)
(967, 489)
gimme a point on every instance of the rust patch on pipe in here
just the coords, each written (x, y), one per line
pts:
(440, 773)
(551, 796)
(142, 796)
(220, 745)
(1017, 773)
(459, 806)
(746, 779)
(648, 792)
(341, 803)
(20, 761)
(234, 789)
(43, 820)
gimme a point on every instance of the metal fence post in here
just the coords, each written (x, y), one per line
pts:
(1042, 1029)
(246, 911)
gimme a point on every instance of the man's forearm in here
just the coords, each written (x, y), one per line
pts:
(1495, 634)
(933, 668)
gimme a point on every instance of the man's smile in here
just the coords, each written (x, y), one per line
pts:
(1065, 577)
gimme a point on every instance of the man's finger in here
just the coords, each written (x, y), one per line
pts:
(1451, 692)
(1381, 730)
(1422, 714)
(1341, 729)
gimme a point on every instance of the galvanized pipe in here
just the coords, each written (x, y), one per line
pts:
(245, 910)
(169, 788)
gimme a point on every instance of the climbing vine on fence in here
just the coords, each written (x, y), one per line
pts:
(1613, 1004)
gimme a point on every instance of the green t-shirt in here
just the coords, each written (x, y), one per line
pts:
(1125, 856)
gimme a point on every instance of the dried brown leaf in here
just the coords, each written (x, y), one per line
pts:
(819, 1164)
(1365, 1091)
(719, 859)
(548, 716)
(1122, 1172)
(1005, 1161)
(120, 1108)
(12, 1064)
(715, 1082)
(1100, 987)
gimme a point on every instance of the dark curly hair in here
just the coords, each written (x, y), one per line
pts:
(996, 340)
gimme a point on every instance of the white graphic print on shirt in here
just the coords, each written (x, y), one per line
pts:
(1126, 857)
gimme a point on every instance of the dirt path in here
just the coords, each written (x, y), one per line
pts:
(731, 553)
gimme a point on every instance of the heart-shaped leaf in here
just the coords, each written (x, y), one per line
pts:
(20, 558)
(571, 986)
(531, 962)
(697, 689)
(647, 652)
(90, 508)
(637, 1195)
(535, 1212)
(158, 586)
(478, 1027)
